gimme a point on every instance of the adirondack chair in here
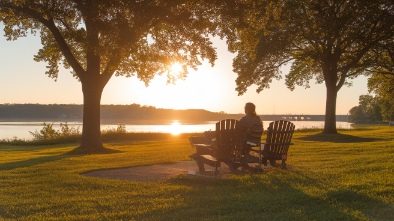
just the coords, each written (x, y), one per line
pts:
(276, 146)
(225, 147)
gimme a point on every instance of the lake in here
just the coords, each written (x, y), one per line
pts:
(8, 130)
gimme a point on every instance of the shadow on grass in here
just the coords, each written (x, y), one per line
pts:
(271, 192)
(338, 138)
(273, 198)
(89, 151)
(371, 207)
(45, 159)
(32, 161)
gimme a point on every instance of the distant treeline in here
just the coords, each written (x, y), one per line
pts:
(109, 113)
(133, 113)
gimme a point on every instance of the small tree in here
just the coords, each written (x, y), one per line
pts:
(383, 87)
(330, 41)
(356, 114)
(99, 38)
(382, 81)
(368, 110)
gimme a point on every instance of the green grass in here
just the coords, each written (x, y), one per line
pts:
(349, 176)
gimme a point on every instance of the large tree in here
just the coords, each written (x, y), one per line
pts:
(99, 38)
(330, 41)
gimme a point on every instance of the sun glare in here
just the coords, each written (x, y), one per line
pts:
(176, 68)
(201, 89)
(175, 128)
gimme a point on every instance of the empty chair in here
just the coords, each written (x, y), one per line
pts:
(223, 145)
(276, 146)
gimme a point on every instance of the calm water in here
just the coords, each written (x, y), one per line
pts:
(21, 129)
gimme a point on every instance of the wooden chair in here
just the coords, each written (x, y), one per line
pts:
(276, 146)
(225, 147)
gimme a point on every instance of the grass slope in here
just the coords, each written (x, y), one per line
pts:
(349, 176)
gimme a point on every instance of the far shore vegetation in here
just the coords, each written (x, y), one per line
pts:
(130, 113)
(345, 176)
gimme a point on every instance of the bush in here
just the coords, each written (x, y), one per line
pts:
(121, 129)
(49, 133)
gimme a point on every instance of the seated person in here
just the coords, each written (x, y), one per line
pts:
(250, 125)
(251, 129)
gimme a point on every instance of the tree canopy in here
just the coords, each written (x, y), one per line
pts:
(98, 39)
(127, 37)
(328, 41)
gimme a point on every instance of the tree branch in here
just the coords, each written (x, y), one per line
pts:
(65, 49)
(48, 23)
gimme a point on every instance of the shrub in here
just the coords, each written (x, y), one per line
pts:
(121, 129)
(48, 133)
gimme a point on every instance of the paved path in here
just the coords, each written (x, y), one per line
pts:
(147, 173)
(160, 172)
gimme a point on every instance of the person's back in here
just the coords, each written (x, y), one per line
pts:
(252, 128)
(251, 124)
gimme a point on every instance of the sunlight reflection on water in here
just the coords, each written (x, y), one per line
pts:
(21, 129)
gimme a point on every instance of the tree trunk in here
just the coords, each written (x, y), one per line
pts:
(91, 133)
(330, 126)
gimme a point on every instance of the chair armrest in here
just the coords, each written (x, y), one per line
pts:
(277, 143)
(252, 143)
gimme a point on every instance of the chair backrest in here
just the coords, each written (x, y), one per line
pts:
(279, 134)
(227, 139)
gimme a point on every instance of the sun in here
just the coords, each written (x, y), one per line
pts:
(176, 68)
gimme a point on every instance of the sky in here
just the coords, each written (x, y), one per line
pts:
(22, 80)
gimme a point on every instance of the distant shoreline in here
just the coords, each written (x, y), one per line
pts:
(340, 118)
(107, 121)
(133, 113)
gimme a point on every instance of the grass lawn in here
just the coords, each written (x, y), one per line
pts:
(349, 176)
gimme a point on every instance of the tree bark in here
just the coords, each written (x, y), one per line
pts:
(91, 132)
(330, 126)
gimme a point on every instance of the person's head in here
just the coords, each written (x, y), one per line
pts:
(250, 109)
